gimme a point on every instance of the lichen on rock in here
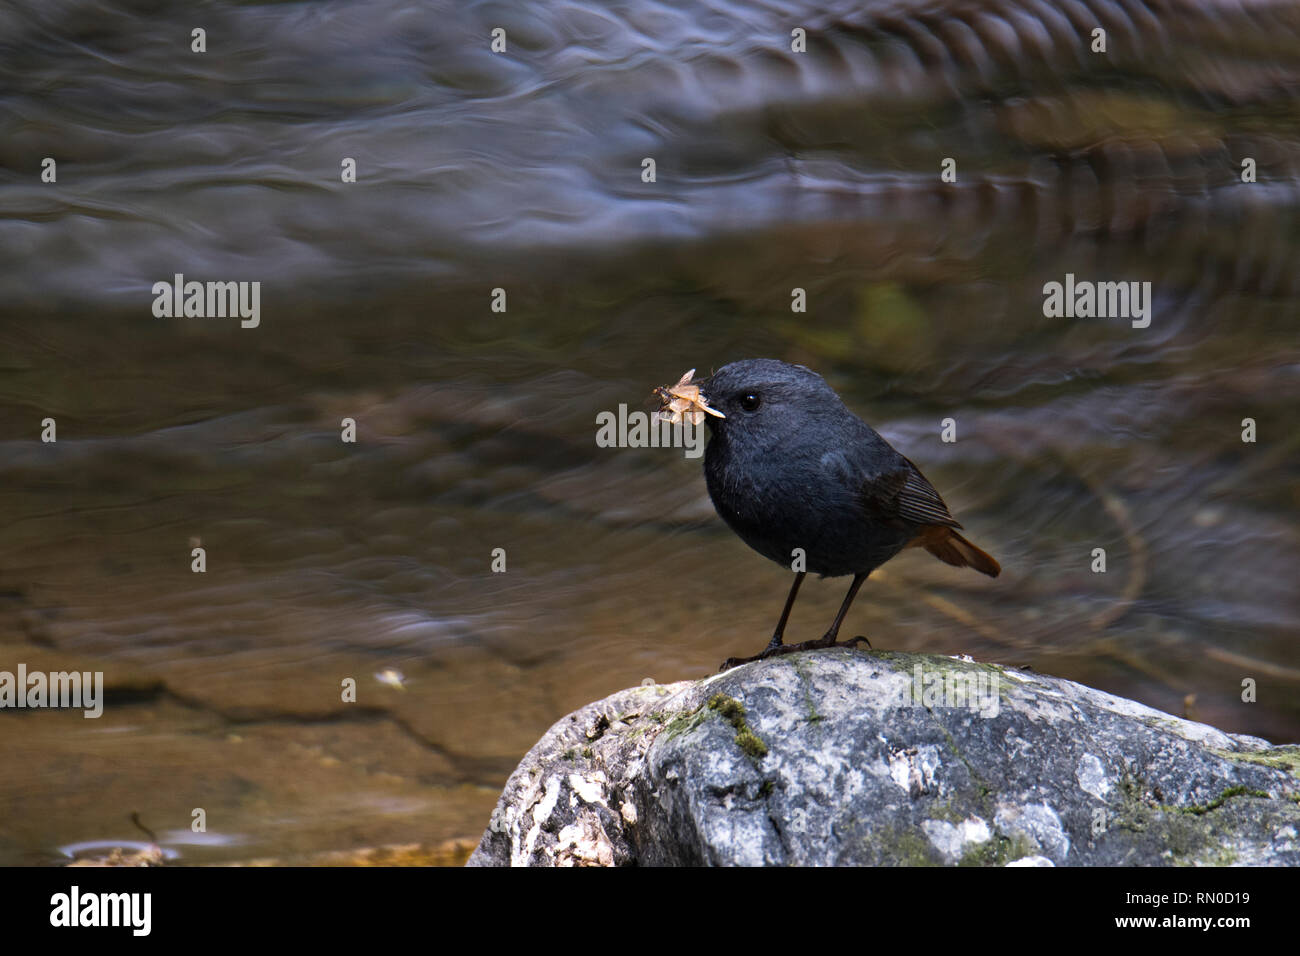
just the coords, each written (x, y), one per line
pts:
(832, 758)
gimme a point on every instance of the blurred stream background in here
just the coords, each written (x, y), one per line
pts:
(476, 430)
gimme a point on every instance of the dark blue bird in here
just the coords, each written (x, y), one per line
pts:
(790, 467)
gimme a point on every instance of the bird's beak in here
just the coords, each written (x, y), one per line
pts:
(704, 397)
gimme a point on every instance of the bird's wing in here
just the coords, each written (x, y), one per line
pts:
(902, 492)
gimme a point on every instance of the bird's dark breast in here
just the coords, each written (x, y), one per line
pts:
(775, 515)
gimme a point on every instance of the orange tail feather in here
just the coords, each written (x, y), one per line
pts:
(951, 548)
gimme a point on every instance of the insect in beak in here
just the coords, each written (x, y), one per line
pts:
(684, 402)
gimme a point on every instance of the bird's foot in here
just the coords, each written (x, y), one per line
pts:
(830, 640)
(776, 650)
(772, 650)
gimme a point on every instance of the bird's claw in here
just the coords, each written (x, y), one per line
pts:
(779, 649)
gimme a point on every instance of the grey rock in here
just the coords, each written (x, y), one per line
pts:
(846, 757)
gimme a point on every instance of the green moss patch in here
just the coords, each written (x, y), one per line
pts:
(1279, 758)
(733, 711)
(1220, 800)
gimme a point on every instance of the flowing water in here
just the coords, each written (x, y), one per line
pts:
(523, 171)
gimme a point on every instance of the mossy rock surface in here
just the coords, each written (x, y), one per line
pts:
(847, 757)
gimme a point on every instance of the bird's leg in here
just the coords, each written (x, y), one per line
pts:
(776, 647)
(779, 633)
(828, 640)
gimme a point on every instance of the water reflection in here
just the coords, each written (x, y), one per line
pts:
(329, 561)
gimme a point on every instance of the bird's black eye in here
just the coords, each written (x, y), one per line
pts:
(750, 401)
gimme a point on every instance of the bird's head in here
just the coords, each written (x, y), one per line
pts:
(766, 399)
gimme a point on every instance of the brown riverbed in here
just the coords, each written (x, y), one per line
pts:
(476, 429)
